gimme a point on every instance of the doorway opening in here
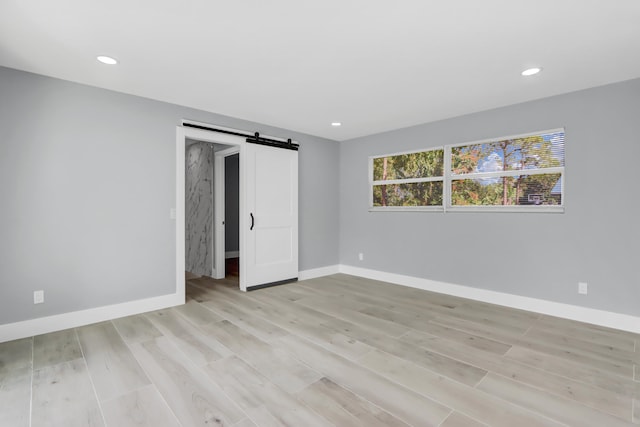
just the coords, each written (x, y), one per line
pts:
(232, 215)
(212, 196)
(268, 205)
(227, 212)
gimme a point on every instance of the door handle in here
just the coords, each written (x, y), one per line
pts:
(252, 221)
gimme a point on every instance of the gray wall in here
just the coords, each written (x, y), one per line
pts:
(87, 179)
(537, 255)
(232, 203)
(199, 249)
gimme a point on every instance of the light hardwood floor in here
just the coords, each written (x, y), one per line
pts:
(338, 350)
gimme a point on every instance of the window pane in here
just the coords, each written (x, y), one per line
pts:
(414, 165)
(530, 152)
(414, 194)
(544, 189)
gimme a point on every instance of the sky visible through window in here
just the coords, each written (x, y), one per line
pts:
(485, 173)
(533, 152)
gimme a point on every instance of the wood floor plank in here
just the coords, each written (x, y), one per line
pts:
(493, 332)
(460, 397)
(347, 312)
(245, 423)
(417, 298)
(136, 329)
(63, 396)
(15, 355)
(274, 306)
(436, 305)
(306, 288)
(401, 402)
(251, 390)
(194, 399)
(557, 408)
(594, 349)
(436, 362)
(261, 416)
(56, 347)
(578, 355)
(15, 398)
(457, 419)
(468, 314)
(284, 370)
(15, 382)
(197, 313)
(561, 327)
(412, 320)
(246, 319)
(567, 323)
(424, 324)
(344, 408)
(327, 287)
(140, 408)
(113, 369)
(343, 337)
(287, 292)
(198, 346)
(326, 337)
(309, 324)
(198, 293)
(498, 313)
(403, 298)
(475, 341)
(554, 349)
(553, 384)
(583, 373)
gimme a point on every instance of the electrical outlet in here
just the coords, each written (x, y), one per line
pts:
(360, 256)
(38, 297)
(583, 288)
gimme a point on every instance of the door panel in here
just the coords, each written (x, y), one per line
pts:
(271, 235)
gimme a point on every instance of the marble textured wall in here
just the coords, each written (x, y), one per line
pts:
(199, 209)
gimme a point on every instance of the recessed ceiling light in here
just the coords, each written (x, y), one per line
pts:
(531, 71)
(107, 60)
(336, 124)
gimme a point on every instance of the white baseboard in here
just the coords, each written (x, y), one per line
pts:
(318, 272)
(232, 254)
(608, 319)
(58, 322)
(75, 319)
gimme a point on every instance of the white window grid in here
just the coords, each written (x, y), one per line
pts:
(449, 177)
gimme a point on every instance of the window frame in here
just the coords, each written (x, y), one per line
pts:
(448, 178)
(372, 183)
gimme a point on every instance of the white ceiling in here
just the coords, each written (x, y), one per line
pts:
(374, 65)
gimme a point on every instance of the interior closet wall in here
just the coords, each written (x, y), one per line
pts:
(199, 209)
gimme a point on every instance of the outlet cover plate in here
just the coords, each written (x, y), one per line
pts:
(38, 297)
(583, 288)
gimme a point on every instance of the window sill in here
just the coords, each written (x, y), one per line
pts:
(406, 209)
(508, 209)
(504, 209)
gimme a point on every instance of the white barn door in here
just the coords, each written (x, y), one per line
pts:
(270, 220)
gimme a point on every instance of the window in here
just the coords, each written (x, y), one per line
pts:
(408, 180)
(517, 173)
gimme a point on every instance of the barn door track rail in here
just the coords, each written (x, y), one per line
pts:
(254, 139)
